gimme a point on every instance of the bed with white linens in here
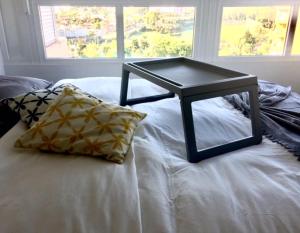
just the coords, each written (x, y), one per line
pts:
(255, 189)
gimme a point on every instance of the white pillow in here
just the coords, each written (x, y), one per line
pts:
(108, 88)
(104, 88)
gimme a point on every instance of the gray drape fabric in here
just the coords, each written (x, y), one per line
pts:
(279, 111)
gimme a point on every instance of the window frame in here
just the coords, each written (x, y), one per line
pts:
(261, 58)
(296, 21)
(119, 6)
(205, 41)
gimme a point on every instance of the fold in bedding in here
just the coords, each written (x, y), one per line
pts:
(251, 190)
(279, 111)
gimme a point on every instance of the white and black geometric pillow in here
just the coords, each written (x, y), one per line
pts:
(32, 105)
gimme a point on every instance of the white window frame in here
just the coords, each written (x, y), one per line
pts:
(119, 25)
(205, 42)
(243, 3)
(296, 15)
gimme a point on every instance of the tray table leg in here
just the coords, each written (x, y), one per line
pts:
(193, 155)
(254, 114)
(124, 87)
(124, 90)
(189, 130)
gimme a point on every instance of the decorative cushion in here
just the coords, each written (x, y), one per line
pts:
(11, 86)
(8, 118)
(32, 105)
(77, 124)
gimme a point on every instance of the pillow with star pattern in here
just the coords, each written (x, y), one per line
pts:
(32, 105)
(77, 124)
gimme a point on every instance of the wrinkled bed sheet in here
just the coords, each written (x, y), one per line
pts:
(255, 189)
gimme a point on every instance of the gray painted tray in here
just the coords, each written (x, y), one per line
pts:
(185, 72)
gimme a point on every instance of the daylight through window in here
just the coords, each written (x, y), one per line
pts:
(249, 31)
(158, 31)
(79, 32)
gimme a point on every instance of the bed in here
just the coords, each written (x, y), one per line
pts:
(255, 189)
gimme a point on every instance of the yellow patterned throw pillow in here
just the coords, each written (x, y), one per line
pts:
(77, 124)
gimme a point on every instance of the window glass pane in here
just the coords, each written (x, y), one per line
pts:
(158, 31)
(248, 31)
(78, 31)
(296, 44)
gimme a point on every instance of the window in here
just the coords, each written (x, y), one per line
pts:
(79, 31)
(158, 31)
(296, 44)
(91, 31)
(129, 29)
(250, 31)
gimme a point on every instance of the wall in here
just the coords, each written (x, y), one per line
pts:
(1, 64)
(22, 51)
(285, 73)
(1, 42)
(56, 71)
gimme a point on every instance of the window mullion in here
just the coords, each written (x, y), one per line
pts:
(291, 31)
(120, 32)
(196, 35)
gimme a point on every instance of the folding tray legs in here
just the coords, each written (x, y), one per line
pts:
(193, 155)
(124, 89)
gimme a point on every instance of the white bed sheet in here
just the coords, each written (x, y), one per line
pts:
(255, 189)
(42, 192)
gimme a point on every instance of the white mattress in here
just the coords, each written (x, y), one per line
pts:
(255, 189)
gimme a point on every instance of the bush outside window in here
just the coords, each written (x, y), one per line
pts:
(252, 31)
(158, 31)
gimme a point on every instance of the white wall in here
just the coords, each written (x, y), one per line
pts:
(1, 42)
(22, 51)
(285, 73)
(1, 64)
(56, 72)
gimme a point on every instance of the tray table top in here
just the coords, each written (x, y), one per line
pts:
(184, 75)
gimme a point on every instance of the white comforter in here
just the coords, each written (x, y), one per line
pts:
(42, 192)
(255, 189)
